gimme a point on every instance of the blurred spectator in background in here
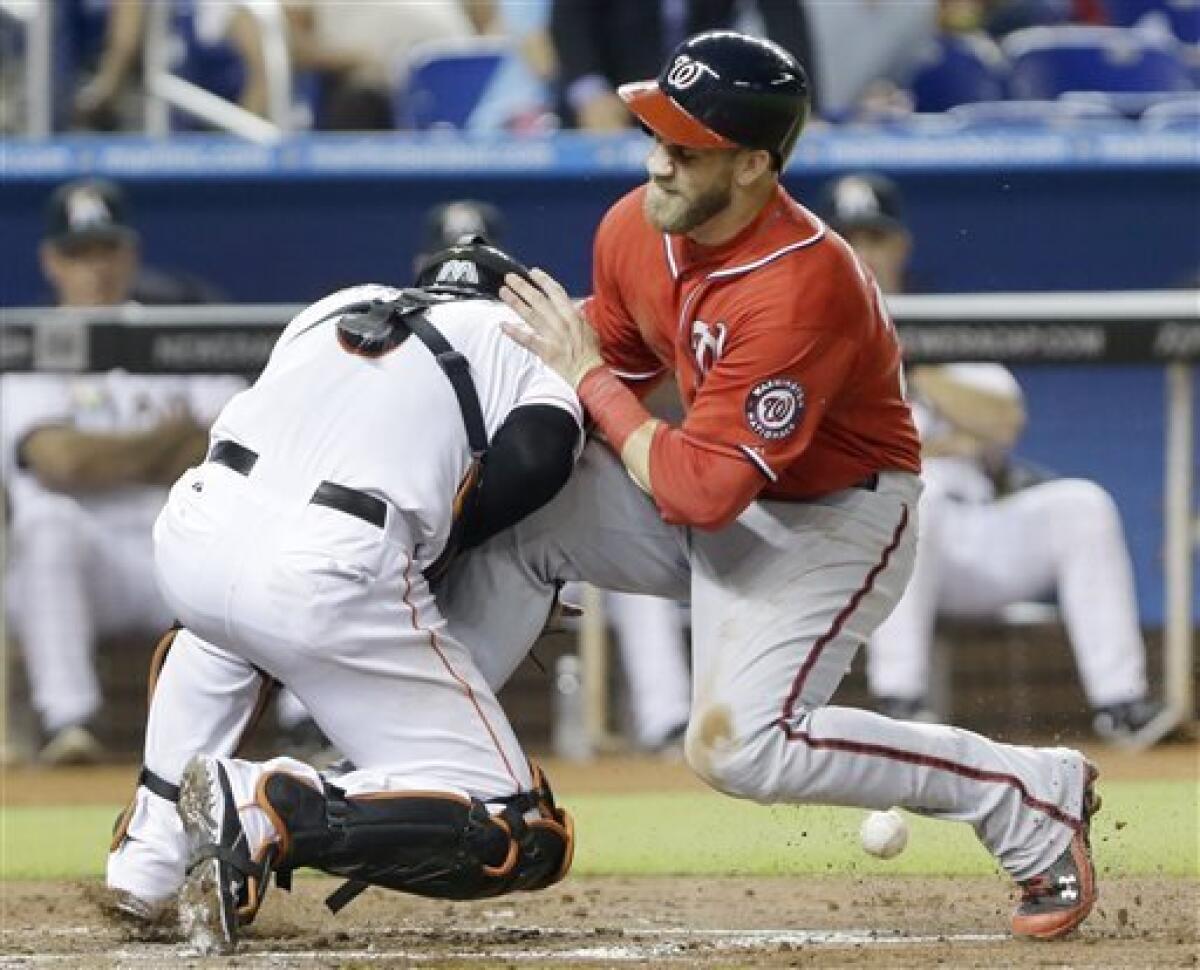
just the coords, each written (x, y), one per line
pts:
(221, 48)
(360, 50)
(1001, 17)
(520, 97)
(994, 530)
(102, 41)
(86, 462)
(224, 48)
(447, 222)
(601, 44)
(872, 47)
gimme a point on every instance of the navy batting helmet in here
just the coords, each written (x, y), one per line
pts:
(723, 89)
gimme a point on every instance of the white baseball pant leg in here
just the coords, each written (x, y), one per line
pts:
(72, 577)
(780, 601)
(332, 607)
(203, 701)
(1063, 537)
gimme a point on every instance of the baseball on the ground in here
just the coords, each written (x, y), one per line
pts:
(884, 834)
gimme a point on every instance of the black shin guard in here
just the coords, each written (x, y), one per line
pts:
(424, 843)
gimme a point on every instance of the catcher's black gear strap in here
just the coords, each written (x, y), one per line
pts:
(426, 843)
(158, 785)
(376, 327)
(522, 469)
(379, 326)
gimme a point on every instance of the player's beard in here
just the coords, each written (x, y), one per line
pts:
(669, 211)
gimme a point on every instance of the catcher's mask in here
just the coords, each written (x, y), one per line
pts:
(471, 268)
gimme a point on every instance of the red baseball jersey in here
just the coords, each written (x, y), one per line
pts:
(785, 357)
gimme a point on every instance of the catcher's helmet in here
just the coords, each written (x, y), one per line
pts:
(723, 89)
(472, 268)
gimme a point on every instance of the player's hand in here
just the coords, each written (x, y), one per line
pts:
(554, 327)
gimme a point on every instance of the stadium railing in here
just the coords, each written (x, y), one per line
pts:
(1153, 327)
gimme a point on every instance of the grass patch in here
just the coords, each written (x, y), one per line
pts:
(1146, 828)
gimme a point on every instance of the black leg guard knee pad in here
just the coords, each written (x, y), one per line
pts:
(425, 843)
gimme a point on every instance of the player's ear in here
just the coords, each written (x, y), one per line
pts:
(751, 165)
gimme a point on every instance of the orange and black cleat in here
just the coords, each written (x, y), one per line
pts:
(1058, 899)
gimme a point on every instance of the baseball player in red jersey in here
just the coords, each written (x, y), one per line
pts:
(784, 505)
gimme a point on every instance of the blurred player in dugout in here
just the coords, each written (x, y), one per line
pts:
(995, 531)
(86, 462)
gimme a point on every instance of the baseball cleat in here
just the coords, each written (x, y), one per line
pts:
(1058, 899)
(74, 745)
(906, 709)
(225, 884)
(1134, 725)
(136, 918)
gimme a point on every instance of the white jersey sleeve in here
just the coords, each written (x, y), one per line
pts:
(29, 401)
(541, 385)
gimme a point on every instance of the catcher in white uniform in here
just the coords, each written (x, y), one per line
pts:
(388, 427)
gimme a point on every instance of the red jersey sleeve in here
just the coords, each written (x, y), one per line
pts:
(625, 349)
(766, 396)
(756, 411)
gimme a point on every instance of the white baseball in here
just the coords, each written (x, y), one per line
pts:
(884, 834)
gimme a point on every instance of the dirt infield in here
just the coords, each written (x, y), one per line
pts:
(831, 921)
(727, 922)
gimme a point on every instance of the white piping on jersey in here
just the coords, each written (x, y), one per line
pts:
(817, 236)
(724, 274)
(758, 459)
(770, 257)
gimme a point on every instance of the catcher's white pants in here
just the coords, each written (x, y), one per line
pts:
(74, 574)
(1060, 537)
(331, 607)
(780, 602)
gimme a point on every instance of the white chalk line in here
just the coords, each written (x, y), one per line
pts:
(636, 945)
